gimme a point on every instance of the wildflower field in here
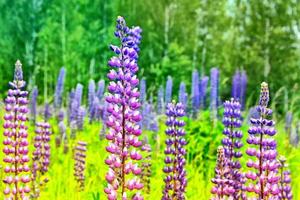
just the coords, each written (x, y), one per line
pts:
(126, 125)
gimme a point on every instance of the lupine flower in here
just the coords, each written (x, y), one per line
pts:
(41, 156)
(214, 91)
(61, 115)
(78, 93)
(80, 162)
(143, 93)
(100, 90)
(15, 141)
(123, 109)
(195, 93)
(253, 113)
(160, 100)
(33, 103)
(47, 112)
(91, 98)
(232, 143)
(285, 180)
(59, 88)
(169, 88)
(76, 103)
(135, 36)
(146, 113)
(288, 123)
(183, 97)
(71, 98)
(146, 167)
(80, 117)
(222, 184)
(264, 165)
(239, 86)
(175, 180)
(95, 112)
(294, 139)
(203, 87)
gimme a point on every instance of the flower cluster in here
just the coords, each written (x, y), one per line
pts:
(175, 180)
(15, 139)
(160, 100)
(232, 143)
(59, 88)
(214, 91)
(264, 165)
(123, 118)
(146, 167)
(41, 155)
(183, 96)
(223, 186)
(203, 88)
(239, 86)
(79, 166)
(285, 180)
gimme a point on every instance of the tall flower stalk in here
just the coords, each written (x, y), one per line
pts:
(41, 157)
(195, 98)
(214, 91)
(123, 119)
(169, 90)
(80, 163)
(15, 139)
(59, 89)
(232, 143)
(223, 186)
(263, 166)
(160, 100)
(285, 180)
(175, 180)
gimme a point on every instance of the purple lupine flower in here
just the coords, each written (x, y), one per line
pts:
(135, 36)
(232, 143)
(252, 113)
(264, 165)
(143, 93)
(285, 180)
(101, 89)
(236, 85)
(33, 103)
(160, 100)
(123, 110)
(17, 171)
(244, 81)
(91, 98)
(288, 123)
(47, 112)
(146, 113)
(41, 156)
(214, 91)
(95, 112)
(146, 166)
(175, 180)
(80, 117)
(169, 88)
(59, 89)
(78, 93)
(76, 103)
(80, 163)
(182, 96)
(203, 88)
(294, 139)
(222, 184)
(195, 98)
(70, 100)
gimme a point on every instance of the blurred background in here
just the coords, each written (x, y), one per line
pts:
(261, 37)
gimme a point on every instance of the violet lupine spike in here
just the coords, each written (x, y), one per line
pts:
(146, 167)
(203, 88)
(288, 123)
(175, 180)
(101, 89)
(16, 169)
(70, 101)
(244, 81)
(95, 112)
(146, 113)
(33, 103)
(195, 93)
(143, 93)
(80, 118)
(222, 188)
(123, 118)
(232, 143)
(80, 163)
(294, 139)
(214, 91)
(59, 89)
(78, 93)
(285, 180)
(262, 176)
(91, 98)
(182, 96)
(169, 88)
(41, 156)
(160, 100)
(47, 112)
